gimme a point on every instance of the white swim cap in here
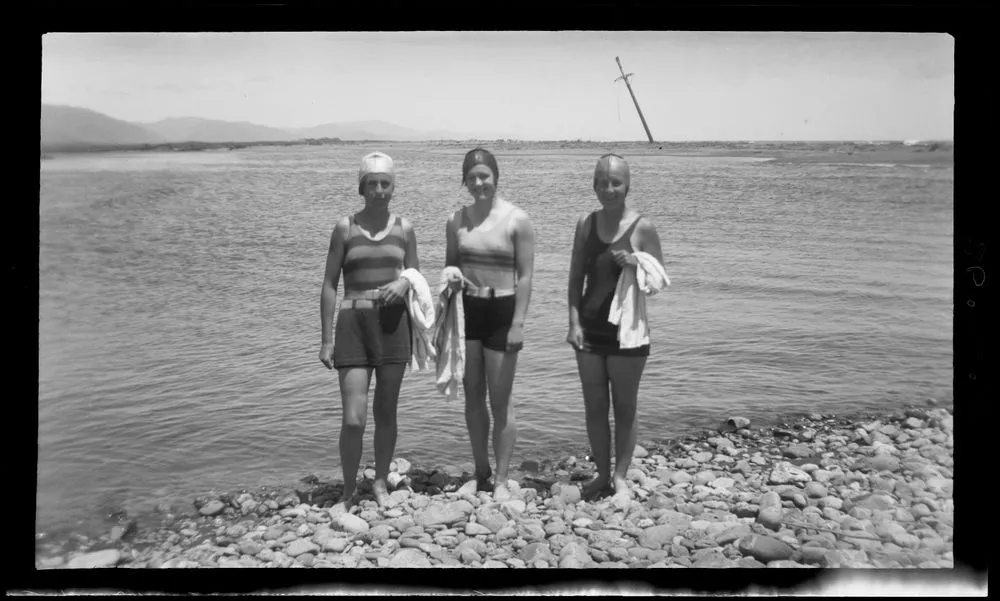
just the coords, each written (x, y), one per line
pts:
(375, 162)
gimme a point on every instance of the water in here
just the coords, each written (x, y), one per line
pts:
(179, 308)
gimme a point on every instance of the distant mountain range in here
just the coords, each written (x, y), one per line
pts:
(67, 127)
(71, 126)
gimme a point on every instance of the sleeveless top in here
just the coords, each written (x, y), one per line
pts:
(601, 276)
(369, 263)
(486, 257)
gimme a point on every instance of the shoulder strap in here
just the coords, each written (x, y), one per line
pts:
(509, 218)
(349, 237)
(593, 226)
(628, 232)
(402, 232)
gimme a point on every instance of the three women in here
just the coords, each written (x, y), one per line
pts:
(491, 242)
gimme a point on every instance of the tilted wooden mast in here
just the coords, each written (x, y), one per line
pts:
(631, 93)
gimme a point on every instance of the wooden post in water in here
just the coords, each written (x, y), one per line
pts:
(636, 102)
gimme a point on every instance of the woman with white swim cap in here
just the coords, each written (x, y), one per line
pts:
(371, 248)
(604, 242)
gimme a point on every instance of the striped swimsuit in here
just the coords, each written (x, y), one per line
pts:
(487, 259)
(372, 336)
(369, 264)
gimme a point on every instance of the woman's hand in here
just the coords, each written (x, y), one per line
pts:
(575, 336)
(515, 337)
(455, 280)
(623, 258)
(326, 354)
(394, 292)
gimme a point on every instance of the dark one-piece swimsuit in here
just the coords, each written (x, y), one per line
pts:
(599, 335)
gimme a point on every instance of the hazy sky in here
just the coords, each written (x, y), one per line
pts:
(532, 85)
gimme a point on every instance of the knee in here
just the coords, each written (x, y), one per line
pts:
(354, 422)
(626, 414)
(475, 408)
(385, 417)
(503, 415)
(475, 389)
(596, 412)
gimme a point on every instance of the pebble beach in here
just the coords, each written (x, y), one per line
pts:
(861, 491)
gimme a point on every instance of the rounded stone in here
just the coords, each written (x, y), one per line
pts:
(770, 517)
(212, 508)
(831, 501)
(815, 490)
(702, 478)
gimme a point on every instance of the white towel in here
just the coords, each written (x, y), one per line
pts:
(449, 335)
(628, 307)
(420, 305)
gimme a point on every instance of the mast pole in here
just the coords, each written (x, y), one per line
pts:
(634, 101)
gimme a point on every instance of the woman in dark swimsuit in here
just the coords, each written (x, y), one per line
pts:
(604, 242)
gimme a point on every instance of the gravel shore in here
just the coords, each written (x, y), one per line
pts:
(861, 491)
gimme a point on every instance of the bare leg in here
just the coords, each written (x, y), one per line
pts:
(625, 373)
(500, 368)
(596, 401)
(477, 417)
(354, 383)
(388, 379)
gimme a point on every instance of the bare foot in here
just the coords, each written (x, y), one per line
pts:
(484, 483)
(347, 500)
(595, 487)
(380, 491)
(501, 493)
(622, 488)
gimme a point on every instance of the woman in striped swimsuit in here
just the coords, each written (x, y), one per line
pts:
(604, 242)
(371, 248)
(492, 242)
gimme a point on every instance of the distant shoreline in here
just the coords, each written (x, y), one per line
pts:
(920, 153)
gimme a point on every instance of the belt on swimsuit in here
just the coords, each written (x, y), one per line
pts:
(361, 299)
(487, 292)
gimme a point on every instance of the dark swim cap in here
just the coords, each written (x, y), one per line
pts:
(480, 156)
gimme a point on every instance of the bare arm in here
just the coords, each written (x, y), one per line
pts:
(410, 261)
(524, 253)
(576, 273)
(451, 241)
(649, 240)
(331, 279)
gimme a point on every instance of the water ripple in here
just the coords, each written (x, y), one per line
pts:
(179, 293)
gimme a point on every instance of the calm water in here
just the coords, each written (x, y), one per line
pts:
(179, 308)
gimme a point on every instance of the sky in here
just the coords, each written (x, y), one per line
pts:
(529, 85)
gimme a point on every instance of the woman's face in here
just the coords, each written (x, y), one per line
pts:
(480, 182)
(611, 186)
(378, 188)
